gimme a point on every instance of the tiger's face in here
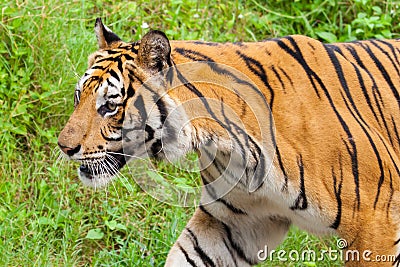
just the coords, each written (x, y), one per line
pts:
(111, 122)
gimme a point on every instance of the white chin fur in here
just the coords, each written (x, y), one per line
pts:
(96, 182)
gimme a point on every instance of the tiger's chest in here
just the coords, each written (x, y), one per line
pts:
(229, 192)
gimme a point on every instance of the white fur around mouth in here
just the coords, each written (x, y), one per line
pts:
(98, 173)
(94, 180)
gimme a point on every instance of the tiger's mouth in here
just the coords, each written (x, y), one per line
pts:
(99, 172)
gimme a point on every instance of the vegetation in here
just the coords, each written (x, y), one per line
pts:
(47, 218)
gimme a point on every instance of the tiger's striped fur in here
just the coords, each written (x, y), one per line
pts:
(336, 161)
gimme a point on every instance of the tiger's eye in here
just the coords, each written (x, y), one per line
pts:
(111, 106)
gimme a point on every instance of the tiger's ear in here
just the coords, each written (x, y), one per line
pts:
(154, 52)
(105, 37)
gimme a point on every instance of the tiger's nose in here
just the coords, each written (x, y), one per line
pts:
(69, 150)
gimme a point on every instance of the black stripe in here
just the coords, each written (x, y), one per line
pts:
(219, 70)
(156, 147)
(116, 128)
(109, 138)
(382, 69)
(113, 96)
(337, 187)
(257, 68)
(205, 43)
(335, 48)
(215, 163)
(383, 119)
(387, 54)
(259, 168)
(193, 55)
(379, 102)
(114, 74)
(355, 55)
(241, 44)
(109, 83)
(397, 261)
(296, 54)
(279, 157)
(162, 109)
(194, 90)
(392, 49)
(110, 59)
(353, 151)
(211, 191)
(98, 67)
(221, 169)
(232, 256)
(140, 106)
(391, 194)
(287, 76)
(197, 56)
(301, 201)
(131, 91)
(228, 126)
(119, 66)
(361, 122)
(113, 52)
(279, 78)
(203, 255)
(188, 259)
(236, 246)
(91, 79)
(132, 47)
(310, 45)
(390, 155)
(239, 251)
(150, 133)
(395, 131)
(346, 89)
(128, 57)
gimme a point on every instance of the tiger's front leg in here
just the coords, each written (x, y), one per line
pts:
(208, 241)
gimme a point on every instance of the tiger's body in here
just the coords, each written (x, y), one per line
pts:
(334, 133)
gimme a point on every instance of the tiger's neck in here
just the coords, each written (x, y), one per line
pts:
(229, 118)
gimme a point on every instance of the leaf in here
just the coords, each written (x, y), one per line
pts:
(45, 221)
(157, 177)
(120, 226)
(377, 10)
(386, 34)
(327, 36)
(111, 224)
(95, 234)
(21, 130)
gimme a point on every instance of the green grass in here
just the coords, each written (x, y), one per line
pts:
(46, 217)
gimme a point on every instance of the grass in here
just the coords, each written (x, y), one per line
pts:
(46, 217)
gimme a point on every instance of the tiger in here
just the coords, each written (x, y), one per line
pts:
(290, 131)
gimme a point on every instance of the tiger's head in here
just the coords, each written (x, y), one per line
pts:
(122, 110)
